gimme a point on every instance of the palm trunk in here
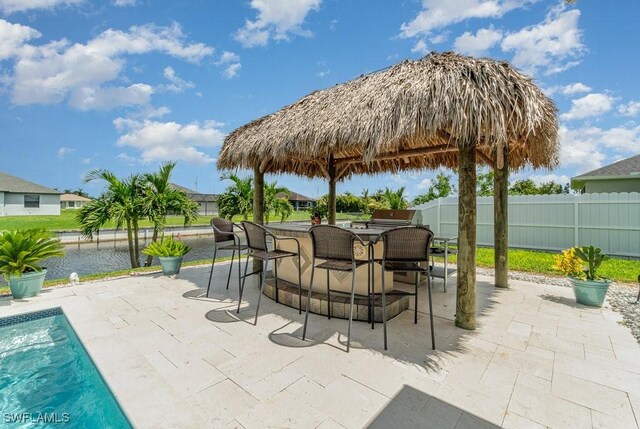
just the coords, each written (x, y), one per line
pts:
(132, 256)
(153, 240)
(136, 242)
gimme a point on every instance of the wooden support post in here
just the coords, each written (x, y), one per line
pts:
(331, 202)
(258, 205)
(466, 293)
(500, 216)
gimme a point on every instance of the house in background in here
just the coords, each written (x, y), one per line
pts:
(206, 202)
(21, 197)
(298, 201)
(621, 176)
(72, 201)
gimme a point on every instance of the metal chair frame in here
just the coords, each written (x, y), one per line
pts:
(315, 232)
(261, 251)
(236, 246)
(412, 265)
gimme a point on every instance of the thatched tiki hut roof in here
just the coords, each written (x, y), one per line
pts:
(410, 116)
(442, 110)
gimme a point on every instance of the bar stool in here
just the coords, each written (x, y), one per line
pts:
(335, 246)
(257, 245)
(404, 249)
(223, 232)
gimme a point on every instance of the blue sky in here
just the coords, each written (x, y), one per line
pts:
(127, 84)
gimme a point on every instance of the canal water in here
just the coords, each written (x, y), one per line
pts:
(92, 258)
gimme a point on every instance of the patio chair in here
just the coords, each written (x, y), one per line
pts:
(258, 248)
(223, 233)
(407, 249)
(334, 245)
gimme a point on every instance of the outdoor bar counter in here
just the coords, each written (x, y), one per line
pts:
(340, 281)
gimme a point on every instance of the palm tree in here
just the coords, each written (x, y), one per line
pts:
(122, 203)
(271, 200)
(283, 208)
(237, 199)
(160, 199)
(395, 199)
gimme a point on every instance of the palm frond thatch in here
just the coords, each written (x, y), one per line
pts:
(410, 116)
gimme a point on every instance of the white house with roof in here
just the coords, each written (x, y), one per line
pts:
(73, 201)
(621, 176)
(21, 197)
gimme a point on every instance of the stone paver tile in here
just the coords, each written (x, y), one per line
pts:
(519, 328)
(193, 377)
(499, 377)
(515, 421)
(273, 384)
(469, 421)
(628, 355)
(475, 398)
(411, 398)
(555, 344)
(503, 338)
(607, 421)
(223, 402)
(590, 349)
(574, 333)
(534, 360)
(233, 424)
(396, 415)
(541, 323)
(263, 415)
(532, 399)
(329, 423)
(603, 371)
(251, 368)
(443, 413)
(595, 396)
(346, 401)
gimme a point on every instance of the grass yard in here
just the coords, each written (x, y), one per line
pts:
(66, 221)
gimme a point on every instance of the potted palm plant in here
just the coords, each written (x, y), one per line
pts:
(170, 252)
(588, 287)
(21, 252)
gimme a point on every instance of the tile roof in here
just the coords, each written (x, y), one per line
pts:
(13, 184)
(624, 167)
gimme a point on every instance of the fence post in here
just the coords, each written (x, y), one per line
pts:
(439, 230)
(576, 220)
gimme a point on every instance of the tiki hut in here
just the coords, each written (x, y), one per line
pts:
(442, 110)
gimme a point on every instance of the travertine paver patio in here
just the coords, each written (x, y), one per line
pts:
(175, 359)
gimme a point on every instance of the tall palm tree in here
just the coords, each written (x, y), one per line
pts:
(272, 203)
(121, 202)
(160, 199)
(237, 199)
(395, 199)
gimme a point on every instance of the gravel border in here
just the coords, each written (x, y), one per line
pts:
(621, 297)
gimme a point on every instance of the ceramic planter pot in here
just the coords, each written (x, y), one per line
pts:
(590, 292)
(170, 264)
(27, 285)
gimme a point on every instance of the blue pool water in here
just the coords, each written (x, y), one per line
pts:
(47, 379)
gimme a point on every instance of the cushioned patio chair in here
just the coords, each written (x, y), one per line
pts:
(334, 245)
(223, 233)
(258, 239)
(407, 249)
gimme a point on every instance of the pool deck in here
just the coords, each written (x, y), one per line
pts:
(175, 359)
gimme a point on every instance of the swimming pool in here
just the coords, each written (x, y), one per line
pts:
(47, 379)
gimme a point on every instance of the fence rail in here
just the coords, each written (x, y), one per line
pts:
(610, 221)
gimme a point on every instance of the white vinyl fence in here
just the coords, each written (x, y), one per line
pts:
(552, 222)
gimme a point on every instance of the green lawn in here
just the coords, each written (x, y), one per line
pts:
(66, 221)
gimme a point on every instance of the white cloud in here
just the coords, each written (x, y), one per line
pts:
(575, 88)
(125, 3)
(439, 38)
(127, 159)
(539, 179)
(421, 47)
(63, 151)
(231, 63)
(550, 46)
(441, 13)
(276, 20)
(177, 85)
(13, 36)
(165, 141)
(396, 178)
(424, 184)
(78, 72)
(10, 6)
(86, 161)
(590, 105)
(632, 108)
(587, 147)
(484, 39)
